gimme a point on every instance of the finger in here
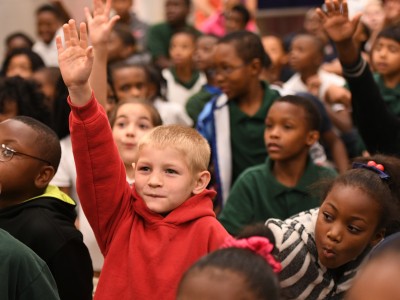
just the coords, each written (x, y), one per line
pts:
(113, 20)
(88, 15)
(73, 32)
(329, 6)
(321, 14)
(60, 48)
(98, 7)
(345, 9)
(107, 8)
(336, 7)
(67, 35)
(89, 54)
(83, 41)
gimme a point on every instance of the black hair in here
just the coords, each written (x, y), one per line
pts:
(243, 11)
(188, 31)
(51, 9)
(391, 32)
(124, 33)
(385, 191)
(35, 59)
(18, 34)
(27, 96)
(61, 109)
(47, 143)
(248, 46)
(313, 116)
(257, 274)
(316, 40)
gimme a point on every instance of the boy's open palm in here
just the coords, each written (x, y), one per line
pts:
(336, 20)
(76, 58)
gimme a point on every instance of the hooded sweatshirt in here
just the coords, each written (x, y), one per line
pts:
(46, 225)
(145, 253)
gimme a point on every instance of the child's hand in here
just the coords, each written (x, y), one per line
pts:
(313, 84)
(336, 21)
(100, 24)
(75, 60)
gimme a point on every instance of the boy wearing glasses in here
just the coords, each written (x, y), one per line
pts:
(39, 215)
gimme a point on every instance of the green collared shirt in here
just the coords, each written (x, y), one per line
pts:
(257, 196)
(247, 133)
(391, 96)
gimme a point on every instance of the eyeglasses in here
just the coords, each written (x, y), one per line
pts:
(6, 154)
(226, 70)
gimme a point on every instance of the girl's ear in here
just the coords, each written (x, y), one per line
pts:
(44, 177)
(312, 137)
(201, 181)
(256, 66)
(377, 237)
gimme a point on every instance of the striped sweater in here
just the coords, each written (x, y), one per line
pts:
(302, 275)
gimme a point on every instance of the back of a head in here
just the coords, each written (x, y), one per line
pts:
(248, 46)
(47, 142)
(188, 141)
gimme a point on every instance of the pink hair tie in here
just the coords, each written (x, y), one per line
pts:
(260, 245)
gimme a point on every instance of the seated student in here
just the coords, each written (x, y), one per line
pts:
(377, 278)
(123, 46)
(24, 275)
(159, 35)
(233, 123)
(168, 211)
(378, 127)
(17, 40)
(244, 268)
(36, 213)
(137, 28)
(22, 97)
(21, 62)
(236, 18)
(47, 80)
(183, 79)
(204, 62)
(321, 250)
(280, 187)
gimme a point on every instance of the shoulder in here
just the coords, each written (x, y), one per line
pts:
(159, 28)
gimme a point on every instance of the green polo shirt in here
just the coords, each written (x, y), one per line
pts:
(390, 95)
(257, 196)
(158, 38)
(247, 133)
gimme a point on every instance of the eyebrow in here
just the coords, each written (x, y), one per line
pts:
(353, 218)
(126, 116)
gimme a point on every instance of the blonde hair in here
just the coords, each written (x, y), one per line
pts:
(185, 139)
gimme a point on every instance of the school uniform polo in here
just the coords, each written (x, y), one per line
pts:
(196, 103)
(247, 133)
(257, 196)
(391, 96)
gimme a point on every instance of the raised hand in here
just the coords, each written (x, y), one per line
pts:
(100, 24)
(336, 21)
(75, 61)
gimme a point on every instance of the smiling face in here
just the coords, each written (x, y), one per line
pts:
(287, 135)
(47, 26)
(346, 225)
(20, 65)
(132, 121)
(386, 56)
(163, 178)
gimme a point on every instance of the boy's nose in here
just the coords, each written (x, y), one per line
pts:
(334, 234)
(155, 179)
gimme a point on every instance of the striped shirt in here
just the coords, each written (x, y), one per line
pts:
(302, 275)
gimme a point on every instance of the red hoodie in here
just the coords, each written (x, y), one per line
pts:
(145, 253)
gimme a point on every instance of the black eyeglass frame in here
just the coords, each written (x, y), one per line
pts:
(15, 152)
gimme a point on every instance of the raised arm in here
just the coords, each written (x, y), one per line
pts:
(100, 26)
(340, 29)
(75, 60)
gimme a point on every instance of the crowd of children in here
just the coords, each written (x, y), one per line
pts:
(170, 161)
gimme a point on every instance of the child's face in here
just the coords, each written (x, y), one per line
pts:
(20, 65)
(46, 85)
(122, 7)
(373, 15)
(176, 11)
(163, 178)
(287, 135)
(386, 57)
(204, 54)
(47, 26)
(346, 225)
(377, 280)
(132, 121)
(273, 47)
(17, 176)
(181, 49)
(234, 21)
(233, 76)
(304, 55)
(130, 82)
(214, 283)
